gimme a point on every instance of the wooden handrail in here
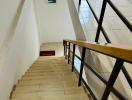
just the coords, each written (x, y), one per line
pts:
(117, 51)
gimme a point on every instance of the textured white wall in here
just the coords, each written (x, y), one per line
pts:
(19, 44)
(54, 22)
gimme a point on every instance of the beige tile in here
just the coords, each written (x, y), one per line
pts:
(43, 81)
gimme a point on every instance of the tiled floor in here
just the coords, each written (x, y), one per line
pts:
(49, 78)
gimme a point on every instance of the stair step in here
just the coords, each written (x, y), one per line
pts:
(49, 79)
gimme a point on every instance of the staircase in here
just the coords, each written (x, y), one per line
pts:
(49, 78)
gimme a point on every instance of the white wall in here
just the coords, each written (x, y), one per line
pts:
(54, 22)
(19, 44)
(73, 10)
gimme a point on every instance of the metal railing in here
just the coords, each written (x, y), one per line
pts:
(119, 63)
(114, 74)
(100, 27)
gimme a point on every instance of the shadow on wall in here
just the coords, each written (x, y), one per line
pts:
(9, 36)
(4, 49)
(11, 32)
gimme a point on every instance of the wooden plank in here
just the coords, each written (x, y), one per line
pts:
(117, 51)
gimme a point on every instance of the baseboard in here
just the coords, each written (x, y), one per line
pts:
(13, 88)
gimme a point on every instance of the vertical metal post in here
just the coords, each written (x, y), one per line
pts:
(79, 2)
(73, 56)
(68, 52)
(65, 49)
(101, 20)
(82, 65)
(114, 74)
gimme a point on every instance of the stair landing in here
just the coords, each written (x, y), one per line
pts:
(49, 78)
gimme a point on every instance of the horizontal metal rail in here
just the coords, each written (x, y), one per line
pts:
(95, 72)
(88, 88)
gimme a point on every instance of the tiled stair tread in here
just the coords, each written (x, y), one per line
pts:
(71, 77)
(49, 78)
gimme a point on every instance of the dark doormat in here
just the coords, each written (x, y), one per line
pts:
(47, 53)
